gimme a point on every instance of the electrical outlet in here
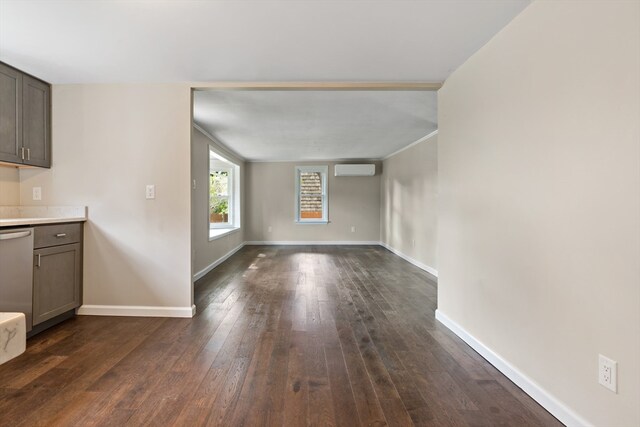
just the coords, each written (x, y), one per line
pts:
(353, 228)
(37, 193)
(269, 229)
(608, 373)
(150, 191)
(413, 243)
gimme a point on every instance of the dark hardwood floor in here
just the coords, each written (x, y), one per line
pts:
(284, 336)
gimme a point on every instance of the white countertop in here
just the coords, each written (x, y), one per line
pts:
(33, 215)
(13, 336)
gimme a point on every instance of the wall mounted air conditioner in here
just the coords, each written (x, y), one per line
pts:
(355, 170)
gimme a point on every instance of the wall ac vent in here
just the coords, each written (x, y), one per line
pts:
(355, 170)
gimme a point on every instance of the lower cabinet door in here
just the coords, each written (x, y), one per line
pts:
(56, 281)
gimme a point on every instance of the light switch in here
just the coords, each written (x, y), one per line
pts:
(151, 191)
(37, 193)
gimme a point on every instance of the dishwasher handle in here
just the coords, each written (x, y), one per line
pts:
(16, 235)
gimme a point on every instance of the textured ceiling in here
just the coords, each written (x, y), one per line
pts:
(316, 125)
(106, 41)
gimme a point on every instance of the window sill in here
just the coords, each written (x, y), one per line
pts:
(216, 233)
(319, 222)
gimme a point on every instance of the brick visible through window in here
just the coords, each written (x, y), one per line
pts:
(310, 195)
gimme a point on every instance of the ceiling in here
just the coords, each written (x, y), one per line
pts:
(104, 41)
(315, 125)
(152, 41)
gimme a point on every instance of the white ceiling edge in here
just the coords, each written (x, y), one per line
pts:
(314, 161)
(424, 138)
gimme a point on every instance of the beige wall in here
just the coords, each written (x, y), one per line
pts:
(539, 201)
(353, 201)
(9, 186)
(207, 252)
(109, 141)
(409, 196)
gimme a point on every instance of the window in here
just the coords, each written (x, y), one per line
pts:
(224, 195)
(311, 195)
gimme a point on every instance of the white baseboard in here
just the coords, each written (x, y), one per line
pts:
(136, 311)
(529, 386)
(217, 262)
(312, 242)
(415, 262)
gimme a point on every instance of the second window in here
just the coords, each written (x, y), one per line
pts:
(311, 194)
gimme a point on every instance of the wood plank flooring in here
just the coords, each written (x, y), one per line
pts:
(284, 336)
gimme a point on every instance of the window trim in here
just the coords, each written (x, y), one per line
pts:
(216, 231)
(230, 197)
(324, 174)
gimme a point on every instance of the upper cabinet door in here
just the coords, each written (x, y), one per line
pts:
(10, 115)
(36, 126)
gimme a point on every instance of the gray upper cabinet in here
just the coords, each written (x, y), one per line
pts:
(10, 114)
(36, 126)
(25, 119)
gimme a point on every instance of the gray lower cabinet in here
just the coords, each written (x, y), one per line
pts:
(57, 274)
(25, 119)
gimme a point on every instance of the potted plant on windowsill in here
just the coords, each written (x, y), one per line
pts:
(219, 212)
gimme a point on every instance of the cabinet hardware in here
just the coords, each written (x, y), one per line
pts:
(38, 262)
(28, 153)
(22, 152)
(18, 235)
(61, 235)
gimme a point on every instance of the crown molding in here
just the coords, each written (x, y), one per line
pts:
(218, 143)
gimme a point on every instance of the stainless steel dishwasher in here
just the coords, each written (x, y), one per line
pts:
(16, 271)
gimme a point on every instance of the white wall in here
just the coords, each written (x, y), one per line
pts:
(9, 186)
(539, 202)
(109, 141)
(409, 201)
(206, 252)
(353, 201)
